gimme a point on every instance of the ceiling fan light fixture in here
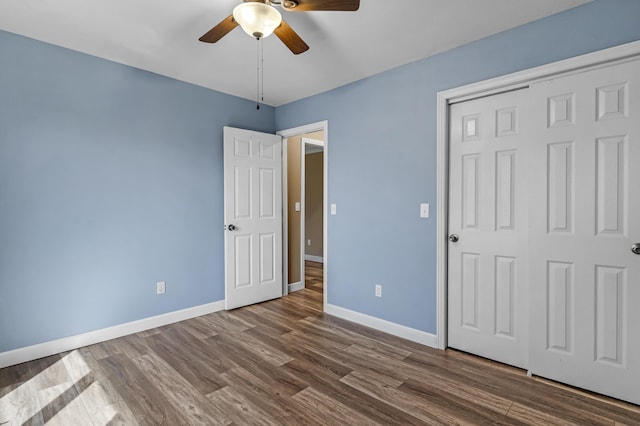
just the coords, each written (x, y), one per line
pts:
(257, 19)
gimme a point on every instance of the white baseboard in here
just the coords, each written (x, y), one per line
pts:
(29, 353)
(405, 332)
(312, 258)
(296, 287)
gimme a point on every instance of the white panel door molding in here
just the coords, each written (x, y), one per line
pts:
(488, 264)
(253, 217)
(585, 282)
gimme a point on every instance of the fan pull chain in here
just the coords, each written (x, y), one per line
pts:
(258, 73)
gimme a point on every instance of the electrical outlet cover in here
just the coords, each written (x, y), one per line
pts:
(378, 290)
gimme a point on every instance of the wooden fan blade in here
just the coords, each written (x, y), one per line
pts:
(291, 39)
(327, 5)
(220, 30)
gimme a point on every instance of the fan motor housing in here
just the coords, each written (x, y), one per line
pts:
(289, 4)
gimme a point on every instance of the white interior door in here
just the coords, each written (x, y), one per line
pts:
(253, 217)
(488, 264)
(585, 285)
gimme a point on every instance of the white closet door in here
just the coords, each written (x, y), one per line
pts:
(488, 269)
(585, 282)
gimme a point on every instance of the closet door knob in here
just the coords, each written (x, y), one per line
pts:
(454, 238)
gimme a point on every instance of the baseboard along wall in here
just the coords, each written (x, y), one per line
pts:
(297, 286)
(398, 330)
(29, 353)
(53, 347)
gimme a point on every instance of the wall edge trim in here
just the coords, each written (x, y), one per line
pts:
(41, 350)
(311, 258)
(395, 329)
(297, 286)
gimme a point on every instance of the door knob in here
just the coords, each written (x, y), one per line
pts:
(231, 228)
(454, 238)
(635, 248)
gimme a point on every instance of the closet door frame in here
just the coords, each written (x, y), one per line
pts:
(578, 64)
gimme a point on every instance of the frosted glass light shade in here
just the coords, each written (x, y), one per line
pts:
(258, 20)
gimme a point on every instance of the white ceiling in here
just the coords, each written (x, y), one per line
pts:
(162, 36)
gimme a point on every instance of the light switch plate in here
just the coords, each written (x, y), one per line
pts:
(333, 209)
(297, 206)
(424, 210)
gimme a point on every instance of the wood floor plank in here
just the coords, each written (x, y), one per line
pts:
(241, 409)
(261, 348)
(262, 394)
(198, 327)
(101, 398)
(286, 384)
(530, 416)
(116, 414)
(54, 375)
(290, 309)
(191, 404)
(350, 338)
(275, 315)
(21, 406)
(223, 322)
(460, 390)
(328, 381)
(512, 383)
(465, 407)
(363, 358)
(319, 408)
(61, 405)
(401, 401)
(321, 363)
(285, 362)
(313, 342)
(193, 365)
(176, 338)
(147, 403)
(308, 300)
(250, 316)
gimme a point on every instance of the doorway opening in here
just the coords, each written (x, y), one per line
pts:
(305, 208)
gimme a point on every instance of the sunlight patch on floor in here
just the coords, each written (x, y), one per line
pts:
(64, 393)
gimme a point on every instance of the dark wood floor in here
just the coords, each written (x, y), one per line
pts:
(285, 363)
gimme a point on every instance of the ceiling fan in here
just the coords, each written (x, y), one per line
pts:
(259, 19)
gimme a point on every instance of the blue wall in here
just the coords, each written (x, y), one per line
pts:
(382, 155)
(110, 180)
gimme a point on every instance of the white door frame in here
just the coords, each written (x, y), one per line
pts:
(298, 131)
(578, 64)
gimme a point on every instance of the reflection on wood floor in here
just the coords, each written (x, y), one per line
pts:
(284, 362)
(313, 276)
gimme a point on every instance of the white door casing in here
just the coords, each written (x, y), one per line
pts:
(488, 265)
(253, 205)
(585, 286)
(322, 126)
